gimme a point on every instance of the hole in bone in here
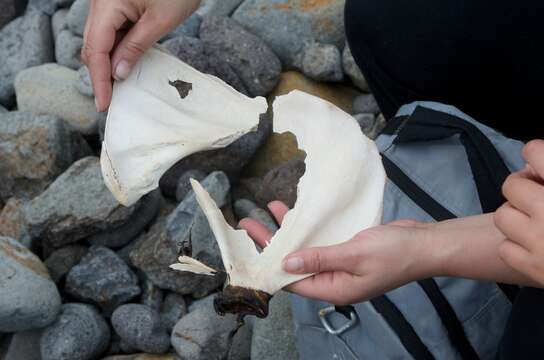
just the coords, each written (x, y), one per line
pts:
(182, 87)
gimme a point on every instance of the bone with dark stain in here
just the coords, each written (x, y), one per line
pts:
(182, 87)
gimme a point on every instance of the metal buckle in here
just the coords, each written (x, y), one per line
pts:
(327, 325)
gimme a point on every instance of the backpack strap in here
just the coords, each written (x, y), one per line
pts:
(406, 333)
(489, 172)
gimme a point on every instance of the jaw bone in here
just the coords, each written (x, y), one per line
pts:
(167, 110)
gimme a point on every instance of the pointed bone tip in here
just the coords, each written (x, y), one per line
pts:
(243, 301)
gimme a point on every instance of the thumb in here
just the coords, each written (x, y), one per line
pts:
(320, 259)
(139, 38)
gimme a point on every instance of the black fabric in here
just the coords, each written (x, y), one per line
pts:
(484, 57)
(406, 333)
(449, 319)
(524, 334)
(488, 168)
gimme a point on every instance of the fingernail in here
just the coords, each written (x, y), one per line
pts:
(122, 70)
(293, 264)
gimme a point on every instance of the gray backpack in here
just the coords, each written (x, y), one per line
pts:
(441, 164)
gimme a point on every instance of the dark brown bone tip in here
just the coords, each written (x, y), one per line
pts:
(243, 301)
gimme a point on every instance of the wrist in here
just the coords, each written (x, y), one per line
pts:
(437, 249)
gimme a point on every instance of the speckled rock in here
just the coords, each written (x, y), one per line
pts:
(142, 357)
(184, 184)
(203, 335)
(352, 70)
(33, 151)
(77, 17)
(173, 308)
(141, 328)
(281, 183)
(68, 49)
(103, 278)
(193, 52)
(190, 27)
(186, 229)
(62, 260)
(49, 89)
(251, 59)
(274, 337)
(76, 205)
(45, 6)
(288, 26)
(240, 348)
(143, 215)
(58, 22)
(366, 122)
(322, 62)
(13, 224)
(83, 83)
(218, 7)
(244, 208)
(365, 104)
(25, 42)
(230, 160)
(29, 300)
(79, 333)
(25, 345)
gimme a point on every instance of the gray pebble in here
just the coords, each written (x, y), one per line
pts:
(76, 205)
(140, 328)
(252, 60)
(103, 278)
(352, 70)
(9, 11)
(241, 344)
(274, 337)
(29, 300)
(49, 89)
(173, 308)
(83, 83)
(190, 27)
(184, 184)
(365, 103)
(25, 345)
(245, 208)
(13, 224)
(144, 214)
(68, 49)
(77, 17)
(366, 122)
(322, 62)
(62, 260)
(281, 183)
(25, 42)
(45, 6)
(203, 335)
(34, 150)
(289, 26)
(218, 7)
(58, 22)
(79, 333)
(152, 295)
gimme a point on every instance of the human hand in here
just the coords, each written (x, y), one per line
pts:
(521, 219)
(373, 262)
(118, 32)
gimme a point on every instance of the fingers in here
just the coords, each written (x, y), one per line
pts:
(146, 32)
(516, 257)
(514, 225)
(278, 209)
(533, 153)
(524, 194)
(321, 259)
(257, 231)
(99, 40)
(334, 287)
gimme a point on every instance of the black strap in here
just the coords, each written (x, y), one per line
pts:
(456, 333)
(488, 168)
(406, 333)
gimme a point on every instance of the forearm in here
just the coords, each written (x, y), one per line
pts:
(469, 248)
